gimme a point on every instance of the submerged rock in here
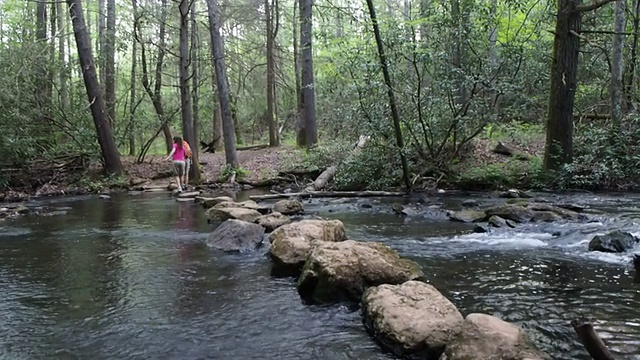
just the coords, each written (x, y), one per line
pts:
(208, 202)
(480, 229)
(337, 271)
(236, 236)
(248, 204)
(517, 213)
(615, 242)
(273, 221)
(222, 214)
(470, 203)
(411, 319)
(289, 207)
(484, 337)
(467, 215)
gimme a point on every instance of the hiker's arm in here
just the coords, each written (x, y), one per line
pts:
(170, 154)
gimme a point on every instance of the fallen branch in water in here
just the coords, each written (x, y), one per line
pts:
(590, 339)
(327, 194)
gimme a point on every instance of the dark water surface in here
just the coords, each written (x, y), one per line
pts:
(131, 278)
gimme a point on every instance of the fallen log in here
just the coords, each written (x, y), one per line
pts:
(327, 175)
(510, 151)
(252, 147)
(590, 339)
(326, 194)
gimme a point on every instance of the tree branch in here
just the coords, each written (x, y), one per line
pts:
(594, 5)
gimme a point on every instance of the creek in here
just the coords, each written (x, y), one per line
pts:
(130, 277)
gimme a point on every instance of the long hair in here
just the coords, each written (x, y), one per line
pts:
(178, 140)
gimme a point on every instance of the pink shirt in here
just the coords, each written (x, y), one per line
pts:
(178, 154)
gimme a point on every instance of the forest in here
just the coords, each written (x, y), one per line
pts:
(393, 94)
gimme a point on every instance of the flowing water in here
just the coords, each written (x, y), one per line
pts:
(130, 278)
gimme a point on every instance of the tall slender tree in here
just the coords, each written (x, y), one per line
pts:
(217, 57)
(109, 63)
(308, 85)
(112, 164)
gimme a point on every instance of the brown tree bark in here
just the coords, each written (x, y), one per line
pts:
(132, 95)
(308, 85)
(271, 69)
(185, 90)
(112, 164)
(109, 63)
(564, 67)
(195, 83)
(217, 57)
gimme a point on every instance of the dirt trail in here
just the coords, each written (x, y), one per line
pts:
(261, 164)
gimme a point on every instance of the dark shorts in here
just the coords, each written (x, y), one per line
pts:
(179, 167)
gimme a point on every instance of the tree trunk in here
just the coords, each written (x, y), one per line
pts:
(100, 42)
(195, 82)
(185, 91)
(392, 100)
(109, 63)
(616, 65)
(308, 90)
(155, 94)
(112, 164)
(62, 76)
(217, 57)
(564, 67)
(633, 57)
(42, 93)
(300, 128)
(271, 69)
(493, 37)
(132, 96)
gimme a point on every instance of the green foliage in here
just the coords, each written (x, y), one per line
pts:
(227, 171)
(512, 173)
(96, 185)
(373, 168)
(604, 158)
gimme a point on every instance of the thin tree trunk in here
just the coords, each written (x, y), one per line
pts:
(633, 57)
(217, 58)
(493, 37)
(308, 90)
(185, 91)
(110, 154)
(100, 42)
(132, 96)
(62, 76)
(392, 101)
(155, 94)
(109, 63)
(273, 127)
(300, 128)
(195, 82)
(616, 64)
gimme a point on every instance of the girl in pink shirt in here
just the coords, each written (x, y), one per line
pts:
(177, 156)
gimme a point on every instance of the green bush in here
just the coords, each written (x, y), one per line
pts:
(603, 158)
(512, 173)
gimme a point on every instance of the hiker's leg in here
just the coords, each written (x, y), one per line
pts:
(187, 166)
(178, 167)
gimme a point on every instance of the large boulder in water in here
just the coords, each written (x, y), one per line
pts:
(325, 230)
(337, 271)
(484, 337)
(411, 319)
(248, 204)
(289, 254)
(221, 214)
(208, 202)
(615, 241)
(290, 244)
(236, 235)
(289, 207)
(467, 215)
(273, 221)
